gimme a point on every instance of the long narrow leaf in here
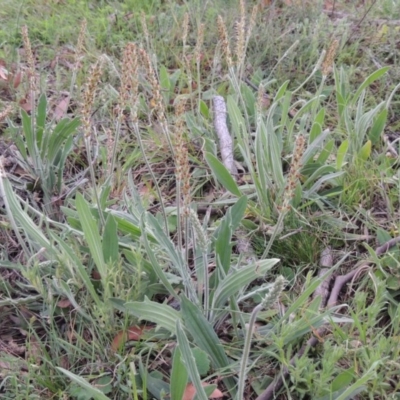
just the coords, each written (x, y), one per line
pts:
(158, 270)
(161, 314)
(367, 82)
(38, 239)
(179, 376)
(206, 338)
(68, 256)
(190, 361)
(239, 279)
(222, 174)
(91, 232)
(91, 390)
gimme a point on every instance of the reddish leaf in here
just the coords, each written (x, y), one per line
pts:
(133, 333)
(61, 108)
(26, 103)
(96, 275)
(17, 79)
(64, 303)
(190, 392)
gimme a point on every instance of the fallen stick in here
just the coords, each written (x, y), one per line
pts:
(270, 392)
(225, 139)
(326, 263)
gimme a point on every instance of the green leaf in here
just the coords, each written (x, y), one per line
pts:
(239, 279)
(91, 232)
(204, 110)
(378, 126)
(223, 245)
(63, 130)
(281, 91)
(206, 338)
(190, 362)
(179, 376)
(365, 151)
(326, 152)
(314, 147)
(160, 314)
(40, 124)
(175, 256)
(110, 241)
(153, 382)
(237, 212)
(164, 78)
(342, 380)
(320, 117)
(321, 171)
(223, 235)
(341, 154)
(84, 384)
(69, 257)
(128, 227)
(360, 383)
(14, 209)
(222, 174)
(202, 360)
(157, 269)
(315, 131)
(28, 133)
(275, 156)
(367, 82)
(235, 116)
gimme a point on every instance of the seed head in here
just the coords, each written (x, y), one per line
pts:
(88, 96)
(6, 112)
(294, 173)
(30, 59)
(223, 37)
(182, 171)
(199, 231)
(129, 80)
(329, 58)
(199, 44)
(185, 29)
(81, 41)
(155, 86)
(241, 34)
(274, 292)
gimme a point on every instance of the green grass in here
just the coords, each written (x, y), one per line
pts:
(86, 254)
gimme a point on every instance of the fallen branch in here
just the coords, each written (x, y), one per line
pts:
(225, 139)
(326, 263)
(271, 391)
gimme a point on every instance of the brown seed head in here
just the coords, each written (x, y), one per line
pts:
(6, 112)
(241, 34)
(144, 27)
(88, 96)
(329, 58)
(185, 29)
(182, 170)
(129, 80)
(155, 86)
(81, 42)
(199, 44)
(223, 37)
(252, 24)
(294, 172)
(29, 56)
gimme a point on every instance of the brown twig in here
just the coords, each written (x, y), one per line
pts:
(326, 263)
(270, 392)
